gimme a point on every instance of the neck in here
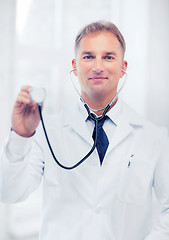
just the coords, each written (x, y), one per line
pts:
(99, 104)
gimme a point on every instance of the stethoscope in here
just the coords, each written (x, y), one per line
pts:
(38, 95)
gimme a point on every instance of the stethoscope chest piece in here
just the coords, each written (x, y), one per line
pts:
(38, 95)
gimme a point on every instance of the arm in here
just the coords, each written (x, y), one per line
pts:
(21, 159)
(161, 188)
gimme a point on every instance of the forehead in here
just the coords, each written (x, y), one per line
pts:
(99, 41)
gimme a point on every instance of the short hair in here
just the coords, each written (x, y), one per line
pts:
(100, 26)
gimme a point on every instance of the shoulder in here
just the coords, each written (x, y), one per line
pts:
(145, 125)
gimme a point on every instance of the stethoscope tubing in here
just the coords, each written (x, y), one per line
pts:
(95, 119)
(88, 154)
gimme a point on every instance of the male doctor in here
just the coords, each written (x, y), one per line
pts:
(109, 196)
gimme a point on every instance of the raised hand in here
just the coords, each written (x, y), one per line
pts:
(25, 116)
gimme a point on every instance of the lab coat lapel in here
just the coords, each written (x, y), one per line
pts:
(123, 130)
(80, 127)
(76, 120)
(127, 122)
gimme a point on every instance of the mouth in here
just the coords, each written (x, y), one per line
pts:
(97, 78)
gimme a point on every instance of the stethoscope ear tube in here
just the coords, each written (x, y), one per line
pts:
(51, 150)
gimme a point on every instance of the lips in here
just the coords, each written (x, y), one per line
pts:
(97, 78)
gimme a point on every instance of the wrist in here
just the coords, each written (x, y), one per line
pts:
(26, 135)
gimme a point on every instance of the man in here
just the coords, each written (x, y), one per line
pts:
(109, 196)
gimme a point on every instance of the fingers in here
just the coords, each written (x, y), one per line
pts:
(24, 97)
(25, 115)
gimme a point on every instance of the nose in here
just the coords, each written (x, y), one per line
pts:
(98, 66)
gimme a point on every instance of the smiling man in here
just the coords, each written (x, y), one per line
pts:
(99, 65)
(109, 196)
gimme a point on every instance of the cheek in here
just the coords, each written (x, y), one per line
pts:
(83, 70)
(116, 71)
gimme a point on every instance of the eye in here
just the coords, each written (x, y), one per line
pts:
(109, 57)
(88, 57)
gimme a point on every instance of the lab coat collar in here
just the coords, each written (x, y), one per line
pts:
(121, 114)
(126, 121)
(129, 114)
(116, 112)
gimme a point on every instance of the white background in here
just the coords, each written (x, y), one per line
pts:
(36, 48)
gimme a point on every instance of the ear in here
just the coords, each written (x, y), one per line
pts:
(74, 67)
(124, 68)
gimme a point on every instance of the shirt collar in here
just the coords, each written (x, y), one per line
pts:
(119, 114)
(113, 113)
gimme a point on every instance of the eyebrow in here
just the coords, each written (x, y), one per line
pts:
(89, 53)
(110, 53)
(86, 52)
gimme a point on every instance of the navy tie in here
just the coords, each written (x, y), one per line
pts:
(102, 140)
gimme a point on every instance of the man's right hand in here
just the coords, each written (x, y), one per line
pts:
(25, 116)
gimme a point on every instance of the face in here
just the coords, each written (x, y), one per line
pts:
(99, 63)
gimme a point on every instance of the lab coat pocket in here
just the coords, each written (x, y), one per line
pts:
(135, 179)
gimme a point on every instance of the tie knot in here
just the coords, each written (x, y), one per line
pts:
(100, 121)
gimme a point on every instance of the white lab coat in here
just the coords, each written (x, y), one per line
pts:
(108, 202)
